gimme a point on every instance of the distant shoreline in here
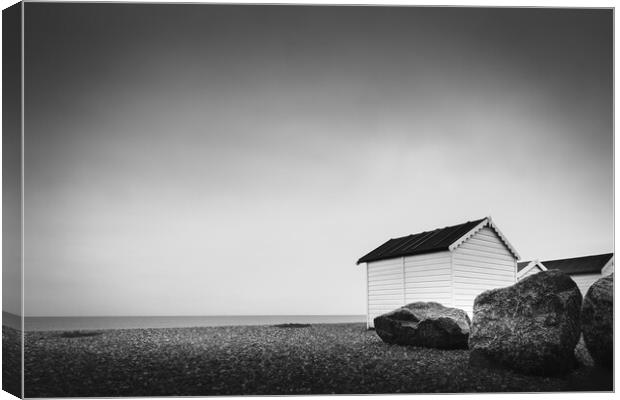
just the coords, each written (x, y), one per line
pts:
(136, 322)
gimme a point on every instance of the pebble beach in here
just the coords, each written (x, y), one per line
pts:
(262, 360)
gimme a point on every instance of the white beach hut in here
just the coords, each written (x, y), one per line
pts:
(584, 270)
(528, 268)
(450, 265)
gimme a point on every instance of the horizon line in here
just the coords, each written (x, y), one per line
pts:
(184, 316)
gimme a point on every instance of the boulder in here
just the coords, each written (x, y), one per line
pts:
(530, 327)
(597, 321)
(426, 325)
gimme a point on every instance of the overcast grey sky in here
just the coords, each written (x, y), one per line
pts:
(201, 159)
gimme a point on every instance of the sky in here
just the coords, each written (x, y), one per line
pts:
(11, 161)
(238, 160)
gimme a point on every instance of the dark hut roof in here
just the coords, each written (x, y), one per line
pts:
(522, 265)
(420, 243)
(580, 265)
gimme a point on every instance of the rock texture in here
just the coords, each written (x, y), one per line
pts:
(531, 326)
(426, 325)
(597, 321)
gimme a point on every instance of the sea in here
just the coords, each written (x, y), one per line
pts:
(126, 322)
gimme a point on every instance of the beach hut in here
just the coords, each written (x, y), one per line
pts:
(450, 265)
(528, 268)
(584, 270)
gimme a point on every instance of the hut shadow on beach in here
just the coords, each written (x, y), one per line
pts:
(78, 334)
(292, 326)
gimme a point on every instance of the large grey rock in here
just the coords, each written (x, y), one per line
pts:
(531, 326)
(597, 321)
(426, 325)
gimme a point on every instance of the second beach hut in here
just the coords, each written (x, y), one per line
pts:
(583, 270)
(528, 268)
(450, 265)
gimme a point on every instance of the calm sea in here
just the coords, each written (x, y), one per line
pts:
(76, 323)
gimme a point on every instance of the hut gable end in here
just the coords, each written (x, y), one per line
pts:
(480, 263)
